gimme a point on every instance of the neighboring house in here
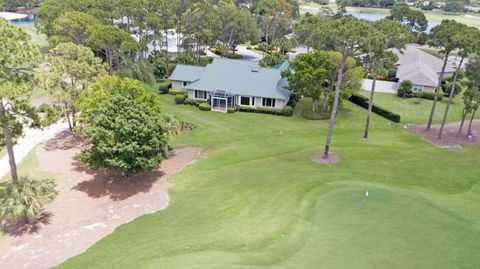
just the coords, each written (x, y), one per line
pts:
(226, 83)
(421, 68)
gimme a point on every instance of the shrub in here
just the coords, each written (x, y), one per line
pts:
(159, 68)
(262, 110)
(185, 58)
(179, 99)
(287, 111)
(164, 86)
(249, 47)
(272, 59)
(205, 60)
(177, 91)
(234, 56)
(204, 107)
(230, 110)
(447, 87)
(405, 89)
(193, 102)
(25, 199)
(363, 102)
(428, 95)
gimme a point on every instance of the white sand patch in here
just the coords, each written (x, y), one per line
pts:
(12, 16)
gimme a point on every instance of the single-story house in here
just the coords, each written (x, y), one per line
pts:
(226, 83)
(421, 68)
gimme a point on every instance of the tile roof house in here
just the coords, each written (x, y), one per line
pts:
(421, 68)
(226, 83)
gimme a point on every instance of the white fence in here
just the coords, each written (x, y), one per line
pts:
(380, 86)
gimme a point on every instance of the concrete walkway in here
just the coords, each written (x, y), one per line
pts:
(30, 138)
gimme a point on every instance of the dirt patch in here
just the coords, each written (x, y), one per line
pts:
(449, 137)
(332, 158)
(89, 206)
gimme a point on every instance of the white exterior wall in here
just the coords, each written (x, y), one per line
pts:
(279, 103)
(191, 94)
(177, 84)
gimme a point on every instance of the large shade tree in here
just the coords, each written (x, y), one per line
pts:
(18, 58)
(125, 125)
(348, 36)
(415, 19)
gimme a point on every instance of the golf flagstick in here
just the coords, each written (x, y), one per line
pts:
(365, 196)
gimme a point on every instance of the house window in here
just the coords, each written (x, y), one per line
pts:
(185, 83)
(268, 102)
(201, 95)
(244, 101)
(417, 88)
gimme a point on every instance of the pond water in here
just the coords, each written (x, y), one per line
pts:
(28, 20)
(378, 16)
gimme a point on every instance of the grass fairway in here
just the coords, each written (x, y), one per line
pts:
(254, 199)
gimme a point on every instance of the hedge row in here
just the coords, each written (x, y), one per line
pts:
(428, 95)
(285, 111)
(363, 102)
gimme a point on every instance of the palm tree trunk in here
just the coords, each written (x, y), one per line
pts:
(437, 91)
(335, 105)
(8, 142)
(464, 116)
(370, 103)
(471, 121)
(450, 98)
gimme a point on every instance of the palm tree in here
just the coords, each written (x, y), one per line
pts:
(25, 199)
(172, 128)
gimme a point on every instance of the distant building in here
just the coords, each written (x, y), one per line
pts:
(421, 68)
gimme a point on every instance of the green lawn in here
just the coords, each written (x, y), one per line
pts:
(254, 199)
(418, 113)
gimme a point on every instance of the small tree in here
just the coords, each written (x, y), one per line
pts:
(73, 68)
(272, 59)
(25, 199)
(18, 58)
(405, 89)
(125, 126)
(309, 73)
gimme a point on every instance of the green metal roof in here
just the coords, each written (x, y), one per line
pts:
(242, 77)
(187, 73)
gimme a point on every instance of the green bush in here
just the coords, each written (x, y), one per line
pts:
(405, 89)
(428, 95)
(179, 99)
(25, 199)
(159, 68)
(177, 91)
(164, 86)
(230, 110)
(193, 102)
(262, 110)
(363, 102)
(234, 56)
(287, 111)
(204, 107)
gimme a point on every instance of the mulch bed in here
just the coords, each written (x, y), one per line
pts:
(449, 138)
(332, 158)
